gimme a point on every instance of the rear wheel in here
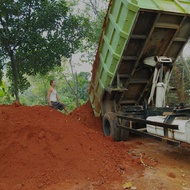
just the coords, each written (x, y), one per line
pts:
(110, 128)
(124, 133)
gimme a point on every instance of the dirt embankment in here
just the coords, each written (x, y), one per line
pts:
(41, 148)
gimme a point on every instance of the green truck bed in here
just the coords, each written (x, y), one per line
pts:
(132, 31)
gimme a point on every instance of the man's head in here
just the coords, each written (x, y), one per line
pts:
(52, 83)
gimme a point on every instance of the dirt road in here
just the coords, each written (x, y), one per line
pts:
(166, 167)
(41, 148)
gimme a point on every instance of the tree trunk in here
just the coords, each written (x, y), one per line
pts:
(45, 92)
(15, 74)
(75, 79)
(77, 98)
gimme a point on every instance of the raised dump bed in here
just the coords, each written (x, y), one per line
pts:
(134, 30)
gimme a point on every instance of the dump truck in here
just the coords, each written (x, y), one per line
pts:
(139, 45)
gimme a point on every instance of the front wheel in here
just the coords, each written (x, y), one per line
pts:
(110, 128)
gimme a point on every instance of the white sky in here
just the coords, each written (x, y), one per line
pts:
(79, 65)
(186, 51)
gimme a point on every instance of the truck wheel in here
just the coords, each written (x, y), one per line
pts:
(124, 133)
(110, 128)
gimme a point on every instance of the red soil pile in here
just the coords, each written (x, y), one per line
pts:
(41, 148)
(85, 116)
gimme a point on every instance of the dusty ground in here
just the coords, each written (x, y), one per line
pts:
(41, 148)
(166, 167)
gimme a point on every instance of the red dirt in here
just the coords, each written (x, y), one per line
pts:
(41, 148)
(171, 175)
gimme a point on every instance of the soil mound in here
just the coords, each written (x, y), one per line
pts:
(41, 148)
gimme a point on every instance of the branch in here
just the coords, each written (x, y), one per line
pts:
(72, 89)
(94, 8)
(5, 31)
(1, 67)
(28, 17)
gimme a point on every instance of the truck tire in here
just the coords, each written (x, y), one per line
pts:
(124, 133)
(110, 128)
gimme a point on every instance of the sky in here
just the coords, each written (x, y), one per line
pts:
(79, 65)
(186, 51)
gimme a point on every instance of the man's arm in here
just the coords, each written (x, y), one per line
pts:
(49, 92)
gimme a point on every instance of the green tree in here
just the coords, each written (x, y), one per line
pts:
(76, 83)
(2, 90)
(4, 96)
(37, 92)
(180, 79)
(181, 83)
(34, 34)
(98, 9)
(76, 91)
(39, 85)
(83, 83)
(94, 10)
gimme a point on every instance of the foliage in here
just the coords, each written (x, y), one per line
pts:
(83, 83)
(34, 36)
(181, 83)
(1, 76)
(95, 11)
(4, 95)
(2, 90)
(37, 92)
